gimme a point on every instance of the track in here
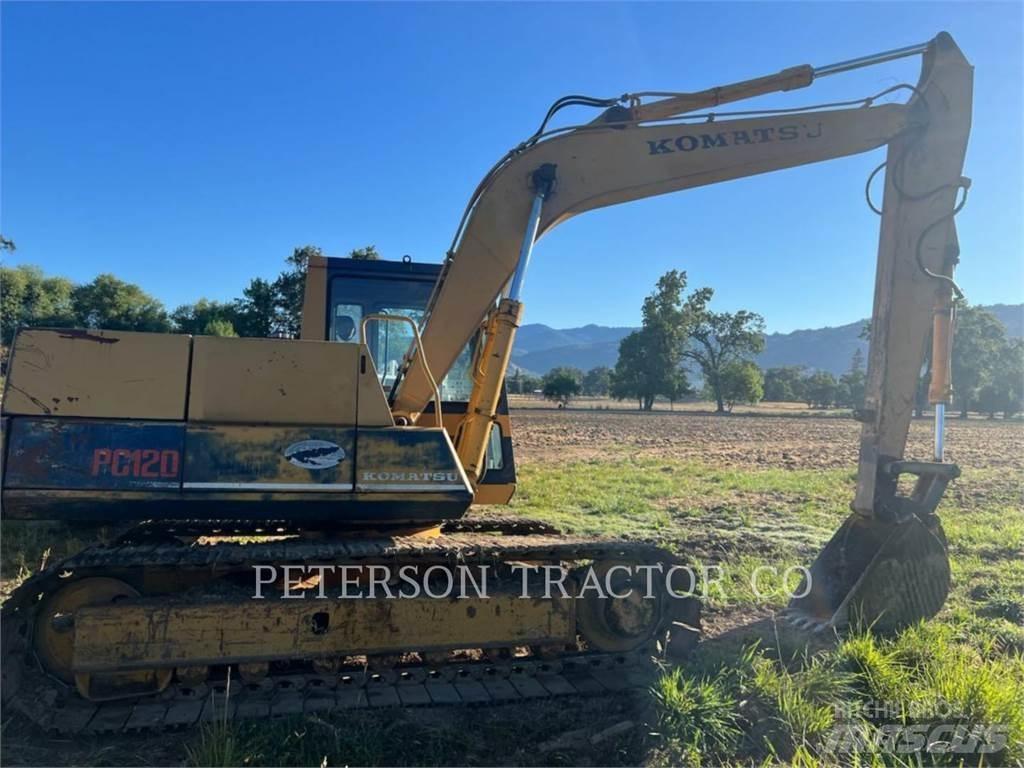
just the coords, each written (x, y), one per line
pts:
(289, 688)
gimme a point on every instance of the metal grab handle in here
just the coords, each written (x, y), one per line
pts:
(419, 348)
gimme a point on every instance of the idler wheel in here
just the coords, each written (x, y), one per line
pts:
(611, 623)
(54, 641)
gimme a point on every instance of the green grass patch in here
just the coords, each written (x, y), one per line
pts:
(650, 497)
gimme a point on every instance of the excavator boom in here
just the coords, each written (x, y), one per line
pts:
(628, 154)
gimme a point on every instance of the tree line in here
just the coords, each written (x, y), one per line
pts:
(30, 298)
(677, 332)
(680, 331)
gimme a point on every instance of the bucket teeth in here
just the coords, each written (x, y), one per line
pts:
(875, 574)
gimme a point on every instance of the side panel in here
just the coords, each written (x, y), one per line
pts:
(273, 381)
(408, 460)
(69, 454)
(238, 458)
(99, 374)
(373, 405)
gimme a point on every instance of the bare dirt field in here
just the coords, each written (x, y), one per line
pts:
(770, 437)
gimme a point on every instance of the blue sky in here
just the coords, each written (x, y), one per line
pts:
(188, 147)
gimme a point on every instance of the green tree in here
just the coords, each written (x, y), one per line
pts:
(562, 384)
(1004, 390)
(978, 339)
(820, 389)
(597, 381)
(740, 381)
(255, 314)
(219, 327)
(514, 382)
(784, 384)
(367, 253)
(289, 291)
(110, 303)
(195, 318)
(6, 244)
(677, 386)
(852, 383)
(650, 359)
(30, 298)
(531, 384)
(639, 374)
(720, 338)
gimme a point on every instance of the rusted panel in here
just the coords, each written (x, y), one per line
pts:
(69, 454)
(151, 633)
(402, 459)
(241, 458)
(273, 381)
(100, 374)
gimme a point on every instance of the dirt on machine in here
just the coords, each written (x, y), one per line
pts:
(290, 515)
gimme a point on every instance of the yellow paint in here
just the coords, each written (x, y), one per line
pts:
(100, 374)
(161, 633)
(273, 381)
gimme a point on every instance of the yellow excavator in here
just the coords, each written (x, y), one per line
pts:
(296, 470)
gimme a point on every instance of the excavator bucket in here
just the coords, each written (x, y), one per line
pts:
(875, 574)
(887, 569)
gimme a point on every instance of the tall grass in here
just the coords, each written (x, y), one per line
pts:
(698, 718)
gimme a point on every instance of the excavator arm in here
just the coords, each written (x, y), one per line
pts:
(646, 149)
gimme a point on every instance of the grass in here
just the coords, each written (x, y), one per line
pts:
(415, 737)
(789, 708)
(967, 661)
(740, 701)
(650, 496)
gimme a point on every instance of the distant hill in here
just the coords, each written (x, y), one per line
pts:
(539, 348)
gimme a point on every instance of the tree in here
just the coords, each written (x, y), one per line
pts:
(562, 384)
(256, 312)
(720, 338)
(530, 384)
(978, 339)
(740, 381)
(650, 359)
(219, 327)
(29, 298)
(368, 253)
(6, 244)
(645, 370)
(195, 318)
(785, 384)
(113, 304)
(677, 386)
(597, 381)
(1004, 390)
(289, 291)
(820, 389)
(853, 382)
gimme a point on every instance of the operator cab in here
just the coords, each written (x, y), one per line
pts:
(355, 288)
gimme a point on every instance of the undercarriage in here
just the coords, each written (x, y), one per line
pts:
(170, 626)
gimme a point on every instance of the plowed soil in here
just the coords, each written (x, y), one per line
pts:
(799, 441)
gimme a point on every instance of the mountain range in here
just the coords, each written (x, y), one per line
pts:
(539, 348)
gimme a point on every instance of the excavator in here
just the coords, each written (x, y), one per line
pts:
(240, 474)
